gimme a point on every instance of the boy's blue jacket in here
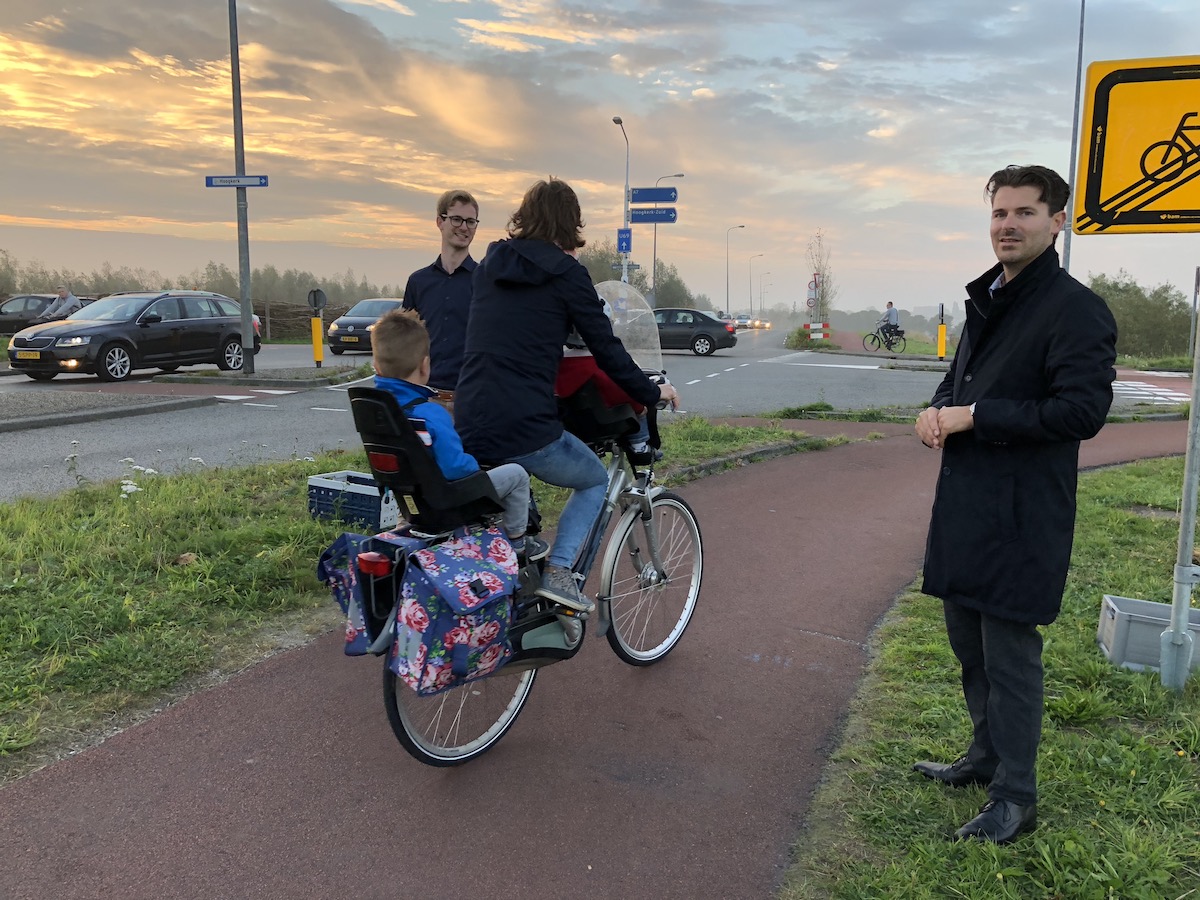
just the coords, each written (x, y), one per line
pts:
(444, 441)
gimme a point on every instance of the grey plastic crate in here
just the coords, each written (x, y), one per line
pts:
(352, 497)
(1130, 632)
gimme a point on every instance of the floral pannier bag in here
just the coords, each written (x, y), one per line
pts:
(448, 621)
(456, 604)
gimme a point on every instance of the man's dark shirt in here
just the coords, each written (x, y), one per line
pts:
(443, 301)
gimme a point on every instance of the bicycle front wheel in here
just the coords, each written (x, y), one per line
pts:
(649, 609)
(871, 342)
(455, 726)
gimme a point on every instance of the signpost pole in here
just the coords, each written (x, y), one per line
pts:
(239, 155)
(1192, 333)
(1066, 258)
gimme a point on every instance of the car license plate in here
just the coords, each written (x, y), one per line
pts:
(28, 354)
(349, 340)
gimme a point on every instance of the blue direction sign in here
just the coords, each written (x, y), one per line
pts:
(235, 180)
(653, 195)
(624, 240)
(660, 215)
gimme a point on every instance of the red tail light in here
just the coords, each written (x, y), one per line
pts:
(730, 327)
(373, 563)
(383, 462)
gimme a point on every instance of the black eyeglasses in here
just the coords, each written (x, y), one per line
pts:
(459, 221)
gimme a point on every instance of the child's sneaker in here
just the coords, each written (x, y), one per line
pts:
(559, 586)
(530, 550)
(642, 454)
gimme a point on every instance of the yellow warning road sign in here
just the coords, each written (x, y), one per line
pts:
(1139, 163)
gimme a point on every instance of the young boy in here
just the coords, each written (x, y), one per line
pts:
(401, 356)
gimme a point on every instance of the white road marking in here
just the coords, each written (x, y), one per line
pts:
(713, 375)
(263, 405)
(730, 370)
(233, 398)
(1169, 374)
(327, 409)
(1156, 396)
(693, 381)
(272, 392)
(832, 366)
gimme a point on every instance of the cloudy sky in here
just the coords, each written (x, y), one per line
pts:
(875, 121)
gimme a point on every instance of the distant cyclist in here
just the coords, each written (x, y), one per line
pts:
(889, 322)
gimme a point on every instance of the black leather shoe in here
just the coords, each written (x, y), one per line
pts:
(959, 773)
(999, 822)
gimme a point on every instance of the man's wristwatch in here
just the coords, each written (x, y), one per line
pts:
(971, 410)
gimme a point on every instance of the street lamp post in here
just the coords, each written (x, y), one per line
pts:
(625, 256)
(727, 230)
(1066, 257)
(752, 259)
(761, 310)
(654, 259)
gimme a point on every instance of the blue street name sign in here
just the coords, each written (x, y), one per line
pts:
(624, 240)
(235, 180)
(662, 214)
(653, 195)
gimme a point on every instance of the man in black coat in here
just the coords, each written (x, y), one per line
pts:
(1032, 377)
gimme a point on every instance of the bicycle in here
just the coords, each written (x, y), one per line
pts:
(1178, 153)
(893, 340)
(650, 576)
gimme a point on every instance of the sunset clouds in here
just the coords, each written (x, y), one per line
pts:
(876, 121)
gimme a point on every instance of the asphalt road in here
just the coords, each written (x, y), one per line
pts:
(688, 780)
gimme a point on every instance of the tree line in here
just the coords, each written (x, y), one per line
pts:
(1151, 322)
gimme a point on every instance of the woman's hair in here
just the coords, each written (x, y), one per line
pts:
(549, 211)
(399, 342)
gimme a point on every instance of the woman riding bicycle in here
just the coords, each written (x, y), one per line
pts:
(529, 293)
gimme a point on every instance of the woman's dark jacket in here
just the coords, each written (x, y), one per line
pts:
(1036, 357)
(527, 297)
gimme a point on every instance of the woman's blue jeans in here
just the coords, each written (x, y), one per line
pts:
(567, 462)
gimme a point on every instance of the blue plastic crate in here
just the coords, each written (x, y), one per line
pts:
(353, 498)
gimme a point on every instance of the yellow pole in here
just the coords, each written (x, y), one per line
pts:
(318, 344)
(941, 341)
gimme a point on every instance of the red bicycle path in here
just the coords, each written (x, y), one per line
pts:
(687, 779)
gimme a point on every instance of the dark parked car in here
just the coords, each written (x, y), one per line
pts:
(134, 330)
(353, 330)
(693, 329)
(17, 312)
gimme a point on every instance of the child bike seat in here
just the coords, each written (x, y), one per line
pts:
(400, 461)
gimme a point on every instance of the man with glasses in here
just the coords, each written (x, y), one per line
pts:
(441, 292)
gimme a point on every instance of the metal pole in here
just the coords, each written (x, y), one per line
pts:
(239, 157)
(625, 256)
(761, 310)
(654, 259)
(754, 257)
(1175, 651)
(1066, 257)
(1192, 333)
(727, 230)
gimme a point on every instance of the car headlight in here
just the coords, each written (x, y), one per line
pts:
(77, 341)
(332, 327)
(371, 327)
(12, 340)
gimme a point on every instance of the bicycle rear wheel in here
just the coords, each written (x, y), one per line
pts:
(651, 610)
(897, 345)
(455, 726)
(871, 341)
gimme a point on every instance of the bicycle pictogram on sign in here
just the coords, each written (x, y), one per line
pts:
(1141, 163)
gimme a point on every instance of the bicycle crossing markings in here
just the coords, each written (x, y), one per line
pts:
(1169, 374)
(1141, 161)
(1140, 390)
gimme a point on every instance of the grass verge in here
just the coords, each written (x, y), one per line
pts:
(1119, 766)
(119, 597)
